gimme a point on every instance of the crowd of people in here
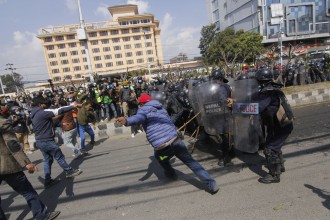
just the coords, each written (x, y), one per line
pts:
(158, 107)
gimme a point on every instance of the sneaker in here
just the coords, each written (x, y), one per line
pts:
(51, 183)
(132, 135)
(73, 173)
(53, 215)
(139, 131)
(214, 190)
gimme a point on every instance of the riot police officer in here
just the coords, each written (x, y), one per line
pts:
(276, 116)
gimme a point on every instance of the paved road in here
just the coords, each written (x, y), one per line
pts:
(121, 180)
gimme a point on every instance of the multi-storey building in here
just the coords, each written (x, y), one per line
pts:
(128, 42)
(288, 21)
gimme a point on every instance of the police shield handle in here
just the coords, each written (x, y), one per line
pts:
(31, 168)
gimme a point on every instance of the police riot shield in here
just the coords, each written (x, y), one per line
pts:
(246, 128)
(212, 102)
(159, 96)
(193, 87)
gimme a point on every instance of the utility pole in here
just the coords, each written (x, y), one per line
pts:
(12, 74)
(82, 37)
(3, 90)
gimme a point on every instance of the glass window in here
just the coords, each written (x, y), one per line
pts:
(147, 36)
(105, 41)
(78, 75)
(130, 62)
(57, 78)
(115, 40)
(59, 38)
(145, 21)
(103, 33)
(117, 48)
(129, 54)
(119, 63)
(114, 32)
(98, 65)
(83, 51)
(97, 58)
(125, 31)
(150, 52)
(146, 29)
(94, 42)
(107, 57)
(86, 67)
(106, 49)
(127, 46)
(134, 22)
(64, 62)
(72, 44)
(96, 50)
(300, 18)
(139, 53)
(140, 61)
(63, 54)
(55, 71)
(70, 37)
(125, 39)
(109, 64)
(118, 55)
(150, 59)
(77, 68)
(53, 63)
(82, 44)
(148, 44)
(137, 45)
(93, 34)
(61, 46)
(124, 23)
(75, 60)
(48, 39)
(52, 55)
(135, 30)
(137, 37)
(66, 69)
(74, 53)
(50, 47)
(84, 59)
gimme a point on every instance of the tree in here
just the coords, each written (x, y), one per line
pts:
(208, 33)
(10, 84)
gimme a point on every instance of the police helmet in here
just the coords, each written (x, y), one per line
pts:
(264, 74)
(171, 88)
(242, 76)
(217, 75)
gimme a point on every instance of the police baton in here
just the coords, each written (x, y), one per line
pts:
(185, 124)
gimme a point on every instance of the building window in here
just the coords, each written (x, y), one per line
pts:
(139, 53)
(78, 76)
(147, 36)
(110, 64)
(150, 59)
(96, 50)
(97, 58)
(105, 41)
(117, 48)
(54, 71)
(148, 44)
(83, 51)
(150, 52)
(57, 78)
(146, 29)
(59, 38)
(76, 60)
(53, 63)
(114, 32)
(70, 37)
(129, 54)
(115, 40)
(103, 33)
(144, 21)
(48, 39)
(137, 37)
(123, 22)
(66, 69)
(68, 77)
(125, 31)
(82, 44)
(137, 45)
(119, 63)
(106, 49)
(52, 55)
(125, 39)
(61, 46)
(63, 54)
(64, 62)
(50, 47)
(127, 46)
(135, 30)
(86, 67)
(140, 61)
(74, 53)
(98, 65)
(84, 59)
(93, 34)
(77, 68)
(118, 55)
(134, 22)
(72, 45)
(130, 62)
(107, 57)
(94, 42)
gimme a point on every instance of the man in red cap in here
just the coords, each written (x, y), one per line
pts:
(163, 137)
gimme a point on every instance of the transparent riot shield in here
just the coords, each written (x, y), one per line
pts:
(212, 102)
(159, 96)
(246, 128)
(193, 87)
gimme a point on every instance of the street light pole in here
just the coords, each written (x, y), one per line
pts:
(12, 74)
(3, 90)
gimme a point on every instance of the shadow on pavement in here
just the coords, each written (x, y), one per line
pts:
(322, 194)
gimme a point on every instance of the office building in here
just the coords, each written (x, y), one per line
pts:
(130, 41)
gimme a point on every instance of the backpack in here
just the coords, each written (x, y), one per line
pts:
(284, 113)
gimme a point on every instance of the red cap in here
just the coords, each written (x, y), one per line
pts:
(144, 98)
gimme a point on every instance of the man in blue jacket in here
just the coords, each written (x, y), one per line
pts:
(163, 136)
(42, 122)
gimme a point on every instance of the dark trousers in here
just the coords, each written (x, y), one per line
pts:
(21, 185)
(276, 137)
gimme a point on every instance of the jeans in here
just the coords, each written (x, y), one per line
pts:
(178, 149)
(70, 140)
(82, 129)
(21, 185)
(51, 150)
(111, 106)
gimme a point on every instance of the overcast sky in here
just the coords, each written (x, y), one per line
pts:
(20, 21)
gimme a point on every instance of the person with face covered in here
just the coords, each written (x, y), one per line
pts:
(42, 121)
(124, 97)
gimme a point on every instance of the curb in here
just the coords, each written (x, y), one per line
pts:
(308, 97)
